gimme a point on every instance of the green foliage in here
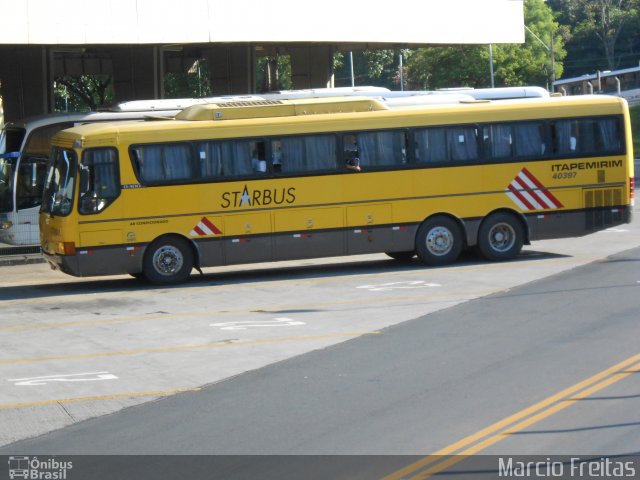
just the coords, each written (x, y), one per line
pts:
(273, 73)
(449, 66)
(370, 67)
(600, 34)
(514, 64)
(82, 93)
(194, 83)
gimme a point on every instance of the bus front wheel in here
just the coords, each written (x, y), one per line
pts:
(168, 260)
(500, 237)
(439, 241)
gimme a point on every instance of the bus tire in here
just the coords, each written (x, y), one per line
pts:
(168, 260)
(401, 256)
(500, 237)
(439, 241)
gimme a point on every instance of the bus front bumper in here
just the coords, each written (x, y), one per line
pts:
(98, 262)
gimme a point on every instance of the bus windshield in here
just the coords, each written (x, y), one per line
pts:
(58, 194)
(7, 166)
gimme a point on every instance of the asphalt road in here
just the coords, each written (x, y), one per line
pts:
(547, 368)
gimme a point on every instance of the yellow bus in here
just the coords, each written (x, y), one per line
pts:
(260, 181)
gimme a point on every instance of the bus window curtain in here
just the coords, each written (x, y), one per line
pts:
(431, 145)
(209, 160)
(150, 163)
(608, 129)
(462, 142)
(564, 141)
(236, 158)
(177, 162)
(308, 154)
(529, 139)
(292, 155)
(500, 139)
(379, 149)
(321, 152)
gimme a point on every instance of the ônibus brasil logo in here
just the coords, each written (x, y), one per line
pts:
(38, 469)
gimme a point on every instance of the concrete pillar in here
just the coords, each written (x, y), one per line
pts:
(136, 73)
(311, 66)
(24, 78)
(232, 69)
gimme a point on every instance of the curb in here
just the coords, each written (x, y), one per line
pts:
(12, 260)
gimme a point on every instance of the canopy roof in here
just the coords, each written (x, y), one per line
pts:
(84, 22)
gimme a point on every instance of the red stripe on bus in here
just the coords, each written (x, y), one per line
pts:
(536, 182)
(211, 226)
(521, 197)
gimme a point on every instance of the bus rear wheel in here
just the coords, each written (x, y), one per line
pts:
(500, 237)
(439, 241)
(168, 260)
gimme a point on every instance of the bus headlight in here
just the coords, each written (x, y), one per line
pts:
(6, 225)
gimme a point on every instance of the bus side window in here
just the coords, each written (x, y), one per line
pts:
(258, 158)
(430, 145)
(386, 148)
(563, 134)
(608, 134)
(276, 156)
(304, 153)
(529, 139)
(209, 162)
(463, 143)
(498, 141)
(163, 163)
(99, 180)
(351, 152)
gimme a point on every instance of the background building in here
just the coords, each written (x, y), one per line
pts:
(137, 42)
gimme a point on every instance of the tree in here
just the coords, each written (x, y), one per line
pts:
(371, 67)
(602, 33)
(515, 64)
(83, 92)
(273, 73)
(192, 83)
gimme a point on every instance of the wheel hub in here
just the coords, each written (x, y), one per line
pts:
(439, 241)
(167, 260)
(502, 237)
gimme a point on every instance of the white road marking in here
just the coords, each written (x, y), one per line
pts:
(78, 377)
(383, 287)
(243, 325)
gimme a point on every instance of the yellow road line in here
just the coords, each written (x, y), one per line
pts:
(516, 422)
(180, 348)
(158, 393)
